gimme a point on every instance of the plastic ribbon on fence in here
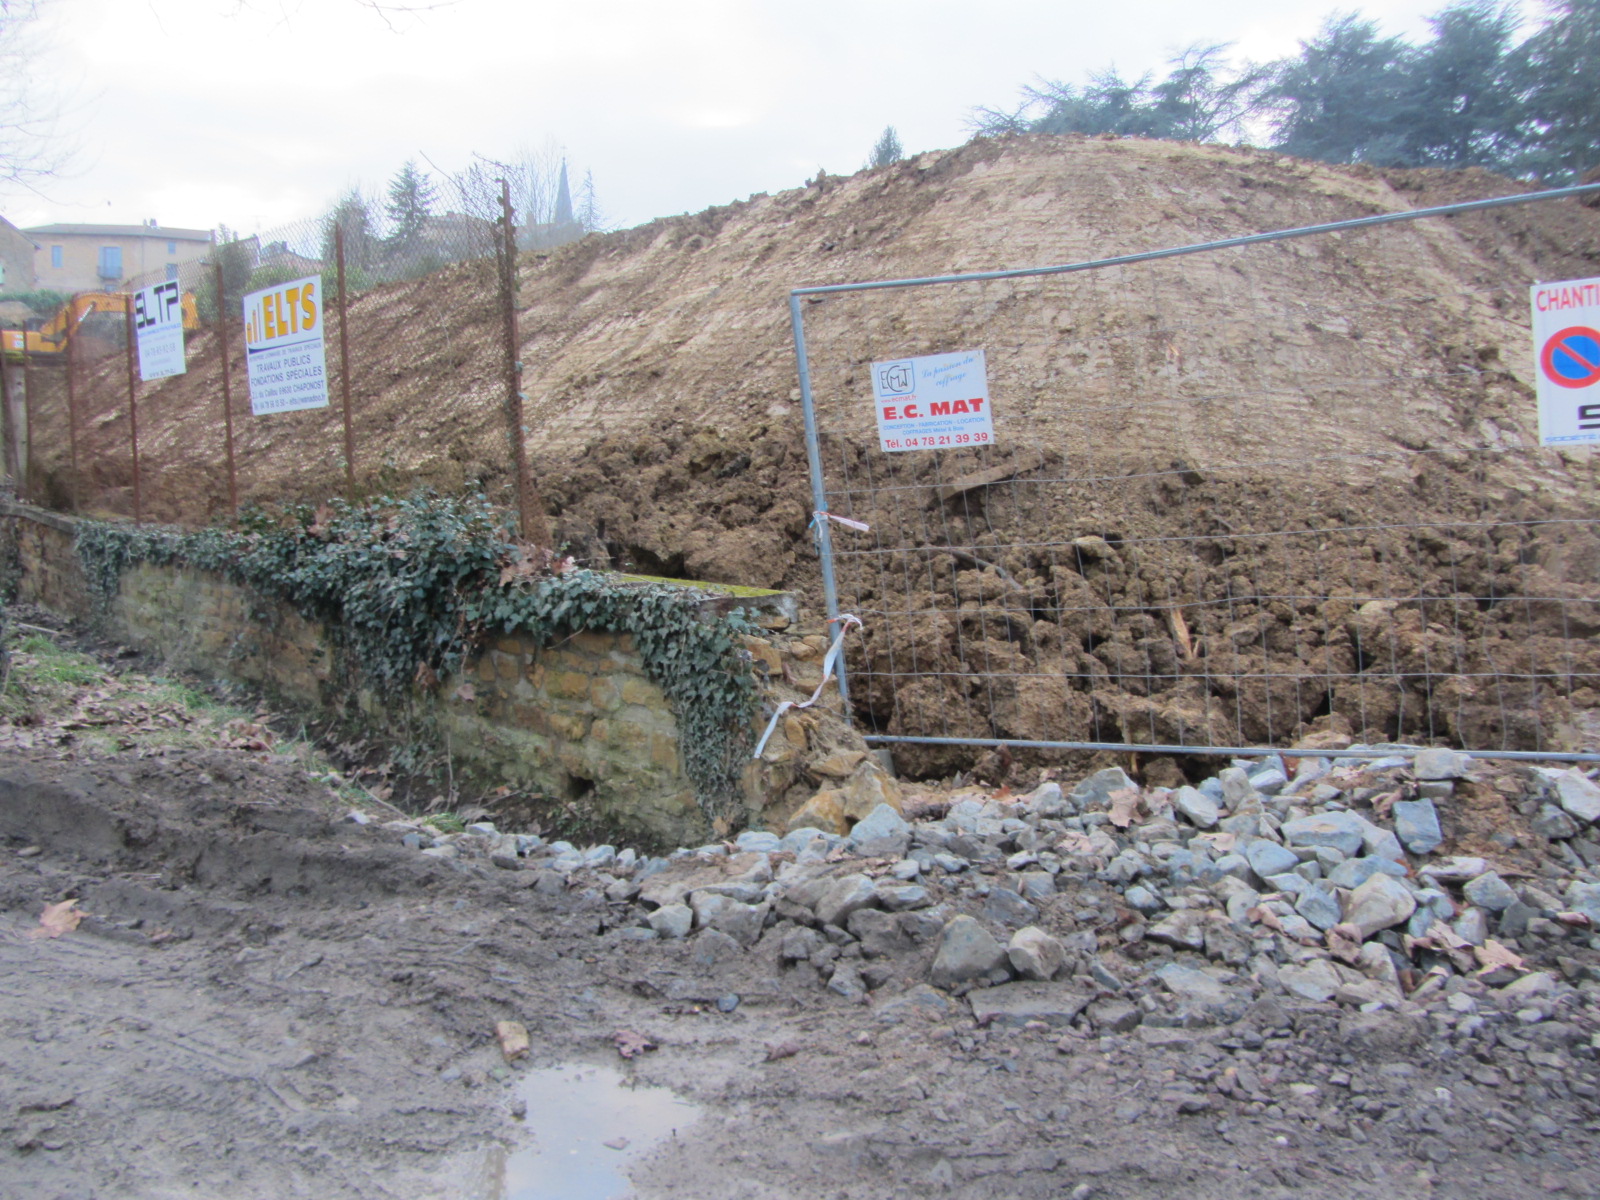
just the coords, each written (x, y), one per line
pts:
(847, 522)
(829, 661)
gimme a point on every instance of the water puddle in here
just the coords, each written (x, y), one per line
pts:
(588, 1124)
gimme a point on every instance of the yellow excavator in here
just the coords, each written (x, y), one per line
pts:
(49, 341)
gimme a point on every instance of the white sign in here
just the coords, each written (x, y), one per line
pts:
(283, 347)
(1566, 351)
(158, 326)
(934, 401)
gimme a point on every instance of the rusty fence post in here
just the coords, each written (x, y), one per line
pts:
(70, 333)
(29, 493)
(344, 369)
(530, 511)
(227, 395)
(8, 420)
(133, 409)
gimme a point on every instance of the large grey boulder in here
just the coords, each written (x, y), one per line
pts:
(1203, 812)
(844, 896)
(1490, 891)
(1014, 1005)
(1342, 831)
(1034, 954)
(1438, 763)
(967, 951)
(1380, 903)
(1579, 796)
(1416, 824)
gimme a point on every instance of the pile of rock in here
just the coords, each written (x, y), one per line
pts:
(1118, 905)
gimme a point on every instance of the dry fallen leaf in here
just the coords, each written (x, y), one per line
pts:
(1342, 945)
(630, 1044)
(513, 1039)
(1124, 803)
(58, 919)
(1382, 804)
(1180, 634)
(1493, 955)
(1075, 843)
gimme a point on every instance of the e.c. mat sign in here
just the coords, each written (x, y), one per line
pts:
(1566, 350)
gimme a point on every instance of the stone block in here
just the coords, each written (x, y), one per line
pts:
(664, 753)
(824, 811)
(1013, 1005)
(568, 685)
(592, 643)
(638, 690)
(604, 693)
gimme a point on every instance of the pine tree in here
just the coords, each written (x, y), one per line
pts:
(1560, 110)
(352, 214)
(886, 149)
(591, 219)
(1345, 98)
(412, 195)
(1461, 101)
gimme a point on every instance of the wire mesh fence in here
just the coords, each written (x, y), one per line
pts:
(1194, 533)
(418, 327)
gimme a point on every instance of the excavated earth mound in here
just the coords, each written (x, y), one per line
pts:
(1233, 498)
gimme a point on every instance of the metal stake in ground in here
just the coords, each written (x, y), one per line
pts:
(530, 512)
(344, 370)
(133, 413)
(227, 393)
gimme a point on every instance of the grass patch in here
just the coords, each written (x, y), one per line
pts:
(62, 700)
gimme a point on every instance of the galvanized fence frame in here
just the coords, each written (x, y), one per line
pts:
(821, 494)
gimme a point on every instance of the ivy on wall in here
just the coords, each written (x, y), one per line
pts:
(411, 587)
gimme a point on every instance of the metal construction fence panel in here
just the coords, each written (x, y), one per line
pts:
(1195, 532)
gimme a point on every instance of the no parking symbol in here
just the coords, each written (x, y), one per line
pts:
(1571, 358)
(1566, 342)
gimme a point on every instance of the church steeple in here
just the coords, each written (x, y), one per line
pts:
(563, 213)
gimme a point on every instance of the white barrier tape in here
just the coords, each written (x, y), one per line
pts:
(847, 522)
(772, 725)
(828, 661)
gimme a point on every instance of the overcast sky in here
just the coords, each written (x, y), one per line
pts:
(256, 112)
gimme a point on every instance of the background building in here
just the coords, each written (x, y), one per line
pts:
(78, 258)
(16, 259)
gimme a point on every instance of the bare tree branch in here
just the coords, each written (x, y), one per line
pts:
(31, 107)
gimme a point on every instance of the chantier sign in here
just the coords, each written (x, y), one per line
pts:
(1566, 350)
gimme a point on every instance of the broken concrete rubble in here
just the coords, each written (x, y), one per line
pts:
(1109, 906)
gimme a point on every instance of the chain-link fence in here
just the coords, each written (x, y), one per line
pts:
(422, 378)
(1192, 533)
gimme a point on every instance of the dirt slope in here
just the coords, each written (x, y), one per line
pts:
(1369, 392)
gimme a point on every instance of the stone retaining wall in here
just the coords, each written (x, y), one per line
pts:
(577, 720)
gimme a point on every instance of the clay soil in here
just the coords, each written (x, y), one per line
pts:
(265, 1000)
(1255, 443)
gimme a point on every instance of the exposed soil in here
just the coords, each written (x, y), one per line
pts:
(266, 1000)
(1261, 440)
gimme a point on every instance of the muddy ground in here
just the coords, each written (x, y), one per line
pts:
(268, 1000)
